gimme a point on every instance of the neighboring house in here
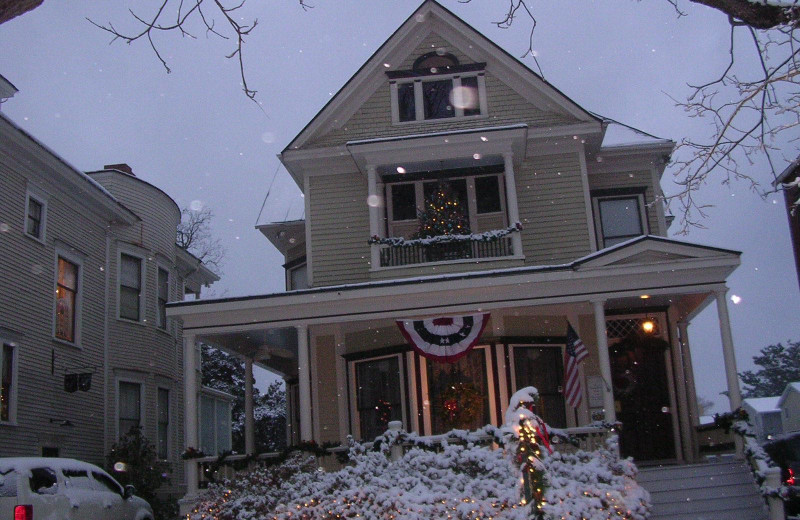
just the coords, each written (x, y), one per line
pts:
(89, 263)
(439, 106)
(790, 177)
(765, 416)
(789, 405)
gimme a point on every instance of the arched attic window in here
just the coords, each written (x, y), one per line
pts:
(436, 62)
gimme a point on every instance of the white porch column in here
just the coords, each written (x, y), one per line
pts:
(374, 201)
(609, 412)
(691, 396)
(304, 369)
(190, 423)
(511, 201)
(680, 382)
(734, 393)
(249, 418)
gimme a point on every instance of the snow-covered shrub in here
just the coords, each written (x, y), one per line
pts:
(459, 482)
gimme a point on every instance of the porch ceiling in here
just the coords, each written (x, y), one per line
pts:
(274, 349)
(613, 275)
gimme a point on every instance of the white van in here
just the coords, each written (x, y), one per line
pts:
(41, 488)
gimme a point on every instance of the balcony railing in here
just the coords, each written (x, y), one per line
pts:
(395, 251)
(411, 254)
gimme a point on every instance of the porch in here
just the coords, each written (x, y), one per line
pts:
(350, 371)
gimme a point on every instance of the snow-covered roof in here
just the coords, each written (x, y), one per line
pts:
(763, 404)
(787, 173)
(706, 419)
(790, 387)
(23, 464)
(620, 135)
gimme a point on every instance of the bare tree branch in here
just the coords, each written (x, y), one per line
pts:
(194, 235)
(236, 30)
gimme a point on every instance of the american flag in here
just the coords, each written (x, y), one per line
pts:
(573, 355)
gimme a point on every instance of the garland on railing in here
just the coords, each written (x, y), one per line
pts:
(486, 236)
(310, 447)
(736, 421)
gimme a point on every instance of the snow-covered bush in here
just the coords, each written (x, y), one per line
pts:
(460, 479)
(460, 482)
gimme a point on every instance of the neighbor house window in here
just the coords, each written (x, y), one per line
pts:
(7, 389)
(130, 287)
(162, 435)
(130, 406)
(619, 218)
(163, 298)
(298, 277)
(66, 300)
(34, 217)
(378, 394)
(215, 424)
(482, 197)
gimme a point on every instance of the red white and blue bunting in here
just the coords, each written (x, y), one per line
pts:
(444, 339)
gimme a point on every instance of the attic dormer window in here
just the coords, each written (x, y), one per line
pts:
(437, 87)
(435, 63)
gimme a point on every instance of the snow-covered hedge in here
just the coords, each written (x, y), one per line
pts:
(460, 482)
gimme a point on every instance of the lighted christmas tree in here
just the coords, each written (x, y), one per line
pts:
(444, 214)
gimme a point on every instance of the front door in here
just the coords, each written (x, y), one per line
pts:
(641, 397)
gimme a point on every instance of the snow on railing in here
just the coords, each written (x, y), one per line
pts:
(766, 473)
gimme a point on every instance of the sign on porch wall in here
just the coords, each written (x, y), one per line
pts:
(445, 339)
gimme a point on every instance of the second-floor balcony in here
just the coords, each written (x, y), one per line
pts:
(397, 252)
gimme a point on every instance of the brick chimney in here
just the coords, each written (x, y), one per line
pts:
(120, 167)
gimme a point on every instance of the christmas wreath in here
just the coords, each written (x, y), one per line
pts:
(462, 403)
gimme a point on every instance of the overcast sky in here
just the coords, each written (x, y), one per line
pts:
(195, 135)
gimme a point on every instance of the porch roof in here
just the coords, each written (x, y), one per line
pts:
(656, 267)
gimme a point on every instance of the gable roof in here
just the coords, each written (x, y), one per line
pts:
(427, 17)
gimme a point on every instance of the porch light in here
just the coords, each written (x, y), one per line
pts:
(400, 169)
(648, 326)
(645, 296)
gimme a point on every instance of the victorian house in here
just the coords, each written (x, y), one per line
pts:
(549, 216)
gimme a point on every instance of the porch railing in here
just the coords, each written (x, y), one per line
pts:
(214, 469)
(411, 254)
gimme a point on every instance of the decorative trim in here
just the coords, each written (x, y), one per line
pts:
(453, 69)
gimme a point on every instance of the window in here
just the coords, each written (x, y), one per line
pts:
(487, 194)
(619, 218)
(7, 386)
(77, 479)
(215, 424)
(378, 395)
(439, 98)
(298, 277)
(459, 393)
(162, 435)
(66, 300)
(482, 195)
(43, 481)
(34, 217)
(163, 298)
(130, 287)
(105, 483)
(542, 368)
(404, 203)
(130, 406)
